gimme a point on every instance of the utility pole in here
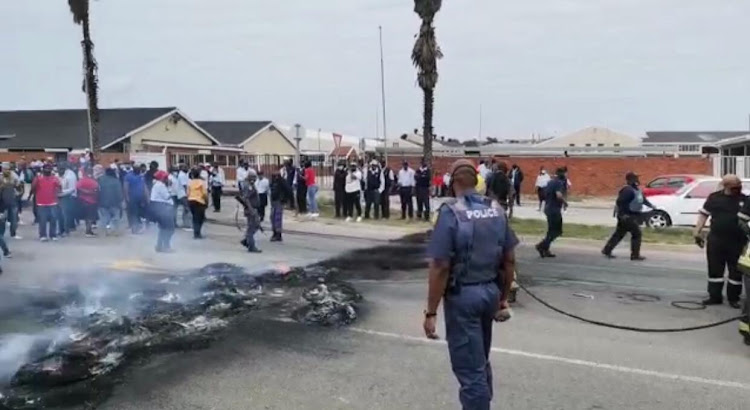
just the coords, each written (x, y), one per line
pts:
(382, 94)
(480, 122)
(297, 139)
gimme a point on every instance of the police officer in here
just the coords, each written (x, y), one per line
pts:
(472, 262)
(553, 205)
(422, 181)
(629, 213)
(385, 197)
(725, 240)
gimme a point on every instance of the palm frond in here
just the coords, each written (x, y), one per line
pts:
(426, 9)
(79, 9)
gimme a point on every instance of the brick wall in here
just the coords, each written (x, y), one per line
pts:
(601, 176)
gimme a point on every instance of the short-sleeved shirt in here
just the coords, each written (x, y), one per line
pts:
(46, 188)
(136, 186)
(723, 210)
(88, 190)
(442, 243)
(551, 201)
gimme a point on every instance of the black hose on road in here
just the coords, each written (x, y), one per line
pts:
(630, 328)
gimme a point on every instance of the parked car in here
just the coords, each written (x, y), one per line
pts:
(681, 208)
(669, 184)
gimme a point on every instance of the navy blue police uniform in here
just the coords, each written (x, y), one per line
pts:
(472, 232)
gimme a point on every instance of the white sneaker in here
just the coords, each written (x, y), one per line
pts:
(20, 222)
(359, 219)
(17, 237)
(348, 219)
(187, 229)
(43, 239)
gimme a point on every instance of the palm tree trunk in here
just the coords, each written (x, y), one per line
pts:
(92, 87)
(429, 101)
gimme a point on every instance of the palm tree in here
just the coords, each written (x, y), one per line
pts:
(80, 10)
(425, 54)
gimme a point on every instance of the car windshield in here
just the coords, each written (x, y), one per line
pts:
(684, 189)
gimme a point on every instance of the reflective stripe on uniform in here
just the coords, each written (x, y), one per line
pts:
(744, 327)
(704, 212)
(734, 282)
(716, 280)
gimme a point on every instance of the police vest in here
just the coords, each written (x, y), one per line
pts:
(636, 205)
(479, 241)
(373, 180)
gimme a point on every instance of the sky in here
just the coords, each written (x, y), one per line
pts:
(544, 67)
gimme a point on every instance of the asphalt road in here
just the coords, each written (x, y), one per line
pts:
(541, 359)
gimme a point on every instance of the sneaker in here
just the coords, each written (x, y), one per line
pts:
(17, 237)
(359, 219)
(91, 235)
(348, 219)
(8, 255)
(187, 229)
(608, 255)
(43, 239)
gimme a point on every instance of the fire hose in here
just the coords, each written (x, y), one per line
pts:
(625, 327)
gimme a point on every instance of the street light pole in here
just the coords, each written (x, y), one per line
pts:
(297, 139)
(382, 94)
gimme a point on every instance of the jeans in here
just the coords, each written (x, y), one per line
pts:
(3, 244)
(110, 217)
(163, 214)
(216, 192)
(312, 202)
(65, 215)
(182, 212)
(12, 217)
(372, 199)
(136, 211)
(46, 218)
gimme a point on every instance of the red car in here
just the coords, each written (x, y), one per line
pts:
(668, 184)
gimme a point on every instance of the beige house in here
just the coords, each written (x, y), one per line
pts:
(262, 143)
(592, 137)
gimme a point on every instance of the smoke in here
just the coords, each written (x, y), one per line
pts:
(17, 349)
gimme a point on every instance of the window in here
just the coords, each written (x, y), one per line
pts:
(703, 190)
(657, 183)
(588, 145)
(572, 145)
(221, 160)
(617, 144)
(232, 160)
(600, 145)
(677, 182)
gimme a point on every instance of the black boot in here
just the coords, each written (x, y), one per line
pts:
(276, 237)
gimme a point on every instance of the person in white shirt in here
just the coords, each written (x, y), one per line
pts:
(262, 186)
(242, 174)
(353, 190)
(406, 190)
(217, 185)
(374, 187)
(66, 200)
(162, 209)
(184, 217)
(484, 170)
(541, 183)
(446, 183)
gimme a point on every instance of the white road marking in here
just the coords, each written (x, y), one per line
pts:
(576, 362)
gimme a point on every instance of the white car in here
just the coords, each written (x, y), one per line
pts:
(681, 208)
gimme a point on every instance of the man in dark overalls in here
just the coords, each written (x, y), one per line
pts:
(725, 241)
(629, 213)
(422, 181)
(385, 196)
(472, 262)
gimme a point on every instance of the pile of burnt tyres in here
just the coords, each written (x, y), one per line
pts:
(95, 338)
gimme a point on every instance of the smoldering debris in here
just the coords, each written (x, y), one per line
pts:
(90, 332)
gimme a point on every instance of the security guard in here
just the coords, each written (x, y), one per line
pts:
(472, 262)
(553, 206)
(726, 240)
(629, 213)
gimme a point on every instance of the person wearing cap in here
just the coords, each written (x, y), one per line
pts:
(312, 189)
(385, 197)
(280, 191)
(725, 242)
(629, 213)
(472, 277)
(88, 199)
(374, 187)
(44, 188)
(554, 203)
(422, 181)
(162, 211)
(198, 201)
(250, 200)
(353, 189)
(218, 179)
(339, 191)
(405, 183)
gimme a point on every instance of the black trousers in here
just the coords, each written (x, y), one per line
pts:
(338, 202)
(540, 195)
(554, 228)
(385, 204)
(625, 224)
(302, 199)
(517, 188)
(351, 202)
(262, 204)
(372, 199)
(423, 203)
(216, 192)
(198, 210)
(407, 205)
(722, 254)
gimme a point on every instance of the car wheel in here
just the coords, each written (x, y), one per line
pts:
(659, 220)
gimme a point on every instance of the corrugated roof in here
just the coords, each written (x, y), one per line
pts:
(69, 128)
(232, 132)
(703, 137)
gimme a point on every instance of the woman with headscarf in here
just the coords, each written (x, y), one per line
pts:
(162, 210)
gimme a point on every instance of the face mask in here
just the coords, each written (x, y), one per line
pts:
(736, 191)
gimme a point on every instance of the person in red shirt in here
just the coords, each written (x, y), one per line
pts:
(312, 190)
(45, 188)
(437, 185)
(88, 199)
